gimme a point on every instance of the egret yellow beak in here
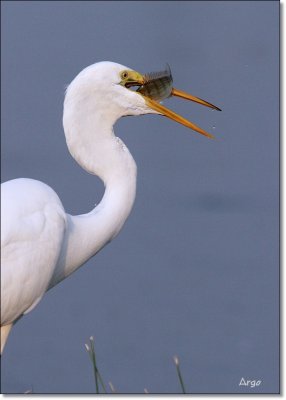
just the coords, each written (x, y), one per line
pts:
(178, 118)
(187, 96)
(159, 86)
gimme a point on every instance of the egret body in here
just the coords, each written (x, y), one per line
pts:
(40, 243)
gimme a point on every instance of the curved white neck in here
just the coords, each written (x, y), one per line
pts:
(91, 141)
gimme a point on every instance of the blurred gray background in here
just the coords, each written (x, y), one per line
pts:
(195, 272)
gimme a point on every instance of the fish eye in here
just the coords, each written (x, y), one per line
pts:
(124, 75)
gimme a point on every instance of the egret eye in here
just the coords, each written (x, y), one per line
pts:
(124, 75)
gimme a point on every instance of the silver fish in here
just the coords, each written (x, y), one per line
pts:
(157, 85)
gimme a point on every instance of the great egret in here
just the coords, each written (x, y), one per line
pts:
(41, 244)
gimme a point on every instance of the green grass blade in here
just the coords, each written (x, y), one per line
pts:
(97, 377)
(176, 361)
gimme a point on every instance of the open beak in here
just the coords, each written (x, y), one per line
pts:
(157, 86)
(178, 118)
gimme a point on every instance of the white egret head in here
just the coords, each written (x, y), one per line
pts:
(114, 91)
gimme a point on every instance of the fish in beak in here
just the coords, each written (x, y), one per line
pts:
(157, 86)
